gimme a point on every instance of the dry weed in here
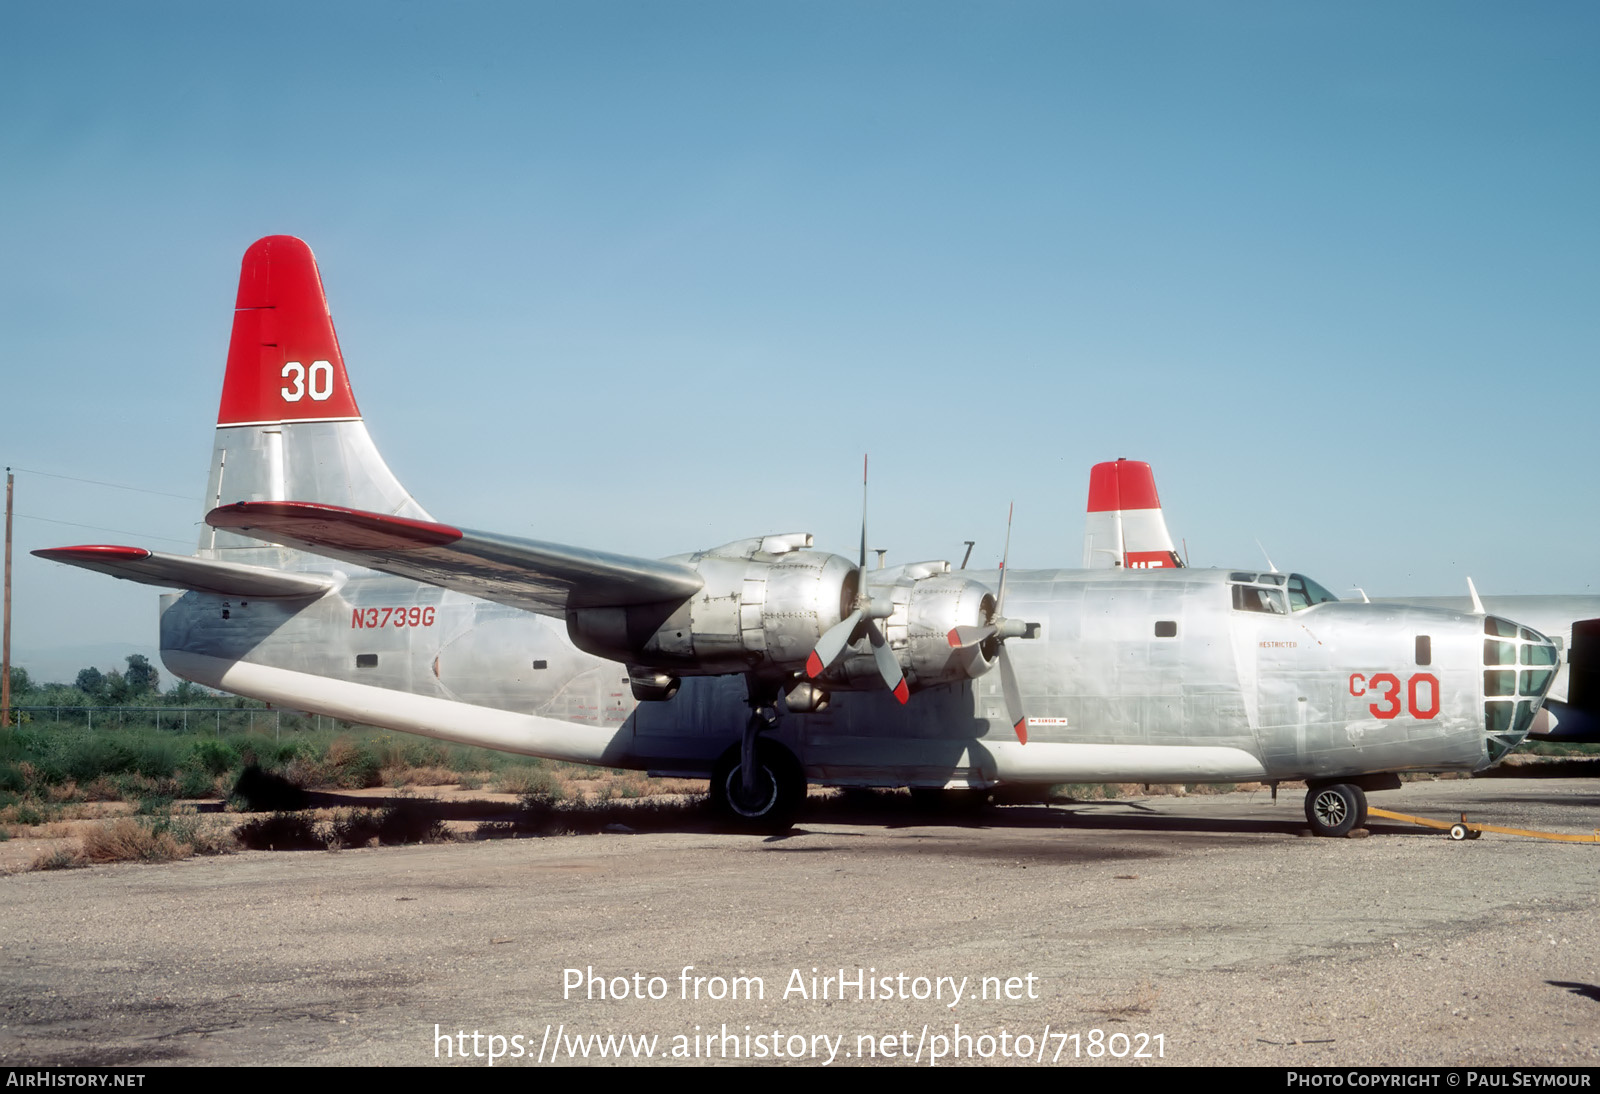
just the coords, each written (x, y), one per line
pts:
(404, 775)
(127, 840)
(62, 792)
(61, 858)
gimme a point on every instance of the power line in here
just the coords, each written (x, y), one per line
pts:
(112, 485)
(101, 528)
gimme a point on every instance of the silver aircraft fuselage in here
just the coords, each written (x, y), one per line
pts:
(320, 584)
(1149, 676)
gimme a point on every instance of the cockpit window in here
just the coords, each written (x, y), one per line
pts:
(1305, 593)
(1254, 598)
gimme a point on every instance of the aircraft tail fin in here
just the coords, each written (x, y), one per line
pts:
(1125, 526)
(288, 428)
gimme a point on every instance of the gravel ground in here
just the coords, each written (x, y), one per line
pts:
(1205, 929)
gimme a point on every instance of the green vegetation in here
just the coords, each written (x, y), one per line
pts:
(1547, 748)
(103, 765)
(115, 736)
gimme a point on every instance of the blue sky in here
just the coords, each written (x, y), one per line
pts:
(649, 277)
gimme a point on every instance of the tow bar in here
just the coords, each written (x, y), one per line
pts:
(1461, 829)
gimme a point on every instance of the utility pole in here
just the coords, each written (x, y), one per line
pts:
(5, 654)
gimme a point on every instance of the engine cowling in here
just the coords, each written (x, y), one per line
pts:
(764, 605)
(928, 601)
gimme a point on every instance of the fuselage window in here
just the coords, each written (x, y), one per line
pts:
(1166, 628)
(1424, 649)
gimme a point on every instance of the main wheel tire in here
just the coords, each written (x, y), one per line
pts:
(780, 789)
(1458, 831)
(1336, 809)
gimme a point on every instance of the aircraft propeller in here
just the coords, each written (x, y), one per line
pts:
(862, 621)
(1000, 628)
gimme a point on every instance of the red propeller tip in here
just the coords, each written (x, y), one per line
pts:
(902, 693)
(813, 665)
(1022, 730)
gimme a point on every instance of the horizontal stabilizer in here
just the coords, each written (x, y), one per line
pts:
(185, 572)
(540, 577)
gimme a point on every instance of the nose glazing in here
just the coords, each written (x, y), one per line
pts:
(1519, 665)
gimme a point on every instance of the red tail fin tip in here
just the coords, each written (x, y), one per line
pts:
(1121, 485)
(284, 363)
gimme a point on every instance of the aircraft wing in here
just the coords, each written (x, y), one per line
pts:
(539, 577)
(185, 572)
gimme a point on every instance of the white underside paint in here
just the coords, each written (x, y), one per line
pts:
(529, 734)
(463, 723)
(1040, 762)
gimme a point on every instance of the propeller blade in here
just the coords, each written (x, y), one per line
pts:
(849, 629)
(1005, 565)
(832, 644)
(862, 566)
(1008, 683)
(960, 637)
(888, 664)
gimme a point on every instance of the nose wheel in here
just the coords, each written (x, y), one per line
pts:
(1335, 809)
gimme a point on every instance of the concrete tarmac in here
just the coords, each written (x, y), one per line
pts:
(1199, 930)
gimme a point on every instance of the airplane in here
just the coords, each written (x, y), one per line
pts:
(1125, 526)
(320, 584)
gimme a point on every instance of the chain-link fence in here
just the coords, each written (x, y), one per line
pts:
(217, 720)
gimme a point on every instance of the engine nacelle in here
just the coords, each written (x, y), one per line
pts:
(928, 602)
(764, 605)
(767, 602)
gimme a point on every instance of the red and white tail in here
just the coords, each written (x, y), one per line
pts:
(1125, 527)
(288, 428)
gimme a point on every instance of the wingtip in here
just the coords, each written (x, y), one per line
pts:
(90, 551)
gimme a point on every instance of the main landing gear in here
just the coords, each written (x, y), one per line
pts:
(758, 785)
(1335, 809)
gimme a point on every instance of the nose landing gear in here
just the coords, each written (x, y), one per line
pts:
(1335, 809)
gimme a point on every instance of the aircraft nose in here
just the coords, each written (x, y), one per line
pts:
(1519, 665)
